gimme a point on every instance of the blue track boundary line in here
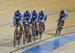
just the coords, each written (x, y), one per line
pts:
(49, 46)
(48, 15)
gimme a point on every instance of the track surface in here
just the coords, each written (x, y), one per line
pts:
(51, 7)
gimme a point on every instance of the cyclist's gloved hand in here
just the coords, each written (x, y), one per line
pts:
(30, 24)
(37, 23)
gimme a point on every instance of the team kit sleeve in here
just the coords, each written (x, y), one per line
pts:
(30, 17)
(65, 15)
(14, 19)
(37, 17)
(44, 17)
(21, 18)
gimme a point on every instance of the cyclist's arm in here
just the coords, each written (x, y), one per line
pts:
(44, 17)
(14, 19)
(30, 17)
(65, 15)
(37, 17)
(21, 16)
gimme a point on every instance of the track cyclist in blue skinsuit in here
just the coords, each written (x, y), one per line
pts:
(62, 16)
(27, 16)
(43, 17)
(18, 20)
(35, 18)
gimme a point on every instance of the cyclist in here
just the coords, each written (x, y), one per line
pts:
(43, 17)
(27, 16)
(62, 16)
(35, 18)
(18, 20)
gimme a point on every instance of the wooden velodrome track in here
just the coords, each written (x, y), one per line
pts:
(51, 7)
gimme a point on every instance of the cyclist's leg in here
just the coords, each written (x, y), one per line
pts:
(29, 33)
(33, 32)
(37, 29)
(24, 35)
(43, 26)
(57, 29)
(15, 36)
(40, 29)
(60, 28)
(62, 22)
(58, 24)
(20, 32)
(21, 29)
(14, 41)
